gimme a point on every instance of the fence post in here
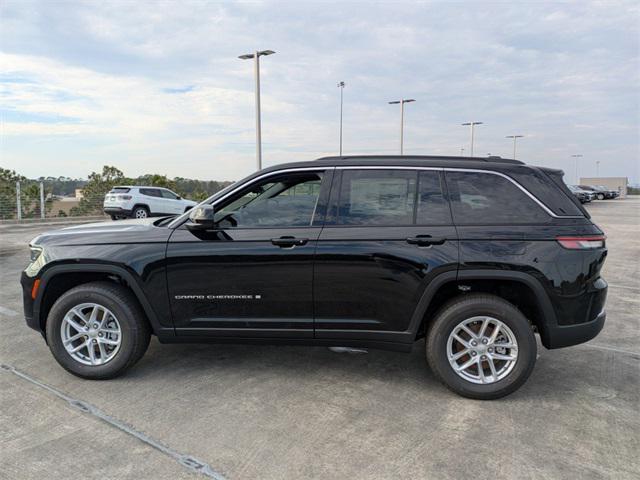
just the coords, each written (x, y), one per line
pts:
(42, 200)
(18, 202)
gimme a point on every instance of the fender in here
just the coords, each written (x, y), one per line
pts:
(549, 316)
(102, 268)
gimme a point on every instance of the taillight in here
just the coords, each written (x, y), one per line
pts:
(124, 197)
(582, 243)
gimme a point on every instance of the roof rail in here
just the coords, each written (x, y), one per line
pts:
(491, 158)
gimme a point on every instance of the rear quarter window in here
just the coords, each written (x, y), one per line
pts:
(479, 198)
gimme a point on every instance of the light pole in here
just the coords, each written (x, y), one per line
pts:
(341, 86)
(472, 124)
(576, 157)
(256, 56)
(402, 102)
(514, 143)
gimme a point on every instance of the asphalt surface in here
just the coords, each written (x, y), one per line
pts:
(261, 412)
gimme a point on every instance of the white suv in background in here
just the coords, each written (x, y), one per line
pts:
(143, 202)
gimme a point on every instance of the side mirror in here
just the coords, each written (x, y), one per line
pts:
(201, 218)
(178, 197)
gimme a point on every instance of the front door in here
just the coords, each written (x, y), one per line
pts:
(387, 234)
(251, 276)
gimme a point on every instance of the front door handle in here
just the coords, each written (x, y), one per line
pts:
(289, 242)
(425, 240)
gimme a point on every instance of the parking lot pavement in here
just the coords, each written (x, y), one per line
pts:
(254, 412)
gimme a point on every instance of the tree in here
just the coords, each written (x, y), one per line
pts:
(96, 188)
(29, 196)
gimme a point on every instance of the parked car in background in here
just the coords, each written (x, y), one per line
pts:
(600, 192)
(143, 202)
(585, 196)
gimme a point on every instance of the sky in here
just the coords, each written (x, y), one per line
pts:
(157, 87)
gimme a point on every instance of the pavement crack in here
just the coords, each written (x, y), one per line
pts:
(185, 460)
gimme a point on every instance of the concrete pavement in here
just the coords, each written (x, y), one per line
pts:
(256, 412)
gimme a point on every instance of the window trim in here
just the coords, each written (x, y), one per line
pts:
(547, 210)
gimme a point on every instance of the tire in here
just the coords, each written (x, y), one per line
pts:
(140, 212)
(134, 329)
(510, 375)
(114, 217)
(600, 196)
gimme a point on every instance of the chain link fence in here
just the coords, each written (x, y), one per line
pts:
(32, 200)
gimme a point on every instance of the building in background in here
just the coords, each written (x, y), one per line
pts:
(614, 183)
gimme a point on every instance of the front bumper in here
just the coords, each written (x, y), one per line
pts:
(28, 303)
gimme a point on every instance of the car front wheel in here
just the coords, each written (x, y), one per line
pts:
(481, 346)
(600, 196)
(97, 330)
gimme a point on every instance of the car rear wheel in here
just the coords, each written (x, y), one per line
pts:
(97, 330)
(140, 212)
(600, 196)
(481, 346)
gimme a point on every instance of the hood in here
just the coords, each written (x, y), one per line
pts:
(141, 230)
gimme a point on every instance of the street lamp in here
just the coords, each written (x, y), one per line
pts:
(341, 86)
(514, 143)
(472, 124)
(402, 102)
(256, 56)
(576, 157)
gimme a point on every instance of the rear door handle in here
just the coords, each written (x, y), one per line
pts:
(289, 242)
(425, 240)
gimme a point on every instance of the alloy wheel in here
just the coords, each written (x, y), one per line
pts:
(91, 334)
(482, 350)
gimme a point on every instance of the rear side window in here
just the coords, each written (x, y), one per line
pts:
(150, 192)
(485, 198)
(377, 197)
(432, 208)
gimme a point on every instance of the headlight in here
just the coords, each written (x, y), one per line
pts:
(35, 252)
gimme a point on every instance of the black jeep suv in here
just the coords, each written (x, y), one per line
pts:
(475, 255)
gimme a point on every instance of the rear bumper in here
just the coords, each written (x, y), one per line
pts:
(117, 211)
(558, 336)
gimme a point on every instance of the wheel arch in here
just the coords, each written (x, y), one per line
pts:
(61, 278)
(534, 301)
(144, 205)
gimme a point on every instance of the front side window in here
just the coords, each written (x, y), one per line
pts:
(281, 201)
(486, 199)
(377, 197)
(168, 194)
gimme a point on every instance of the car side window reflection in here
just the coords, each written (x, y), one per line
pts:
(284, 201)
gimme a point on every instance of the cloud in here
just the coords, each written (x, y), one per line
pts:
(161, 89)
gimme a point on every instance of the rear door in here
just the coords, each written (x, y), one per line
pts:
(387, 235)
(153, 199)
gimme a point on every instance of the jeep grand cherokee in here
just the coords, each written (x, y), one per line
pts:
(474, 255)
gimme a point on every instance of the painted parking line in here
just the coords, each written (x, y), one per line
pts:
(186, 461)
(611, 349)
(614, 286)
(8, 312)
